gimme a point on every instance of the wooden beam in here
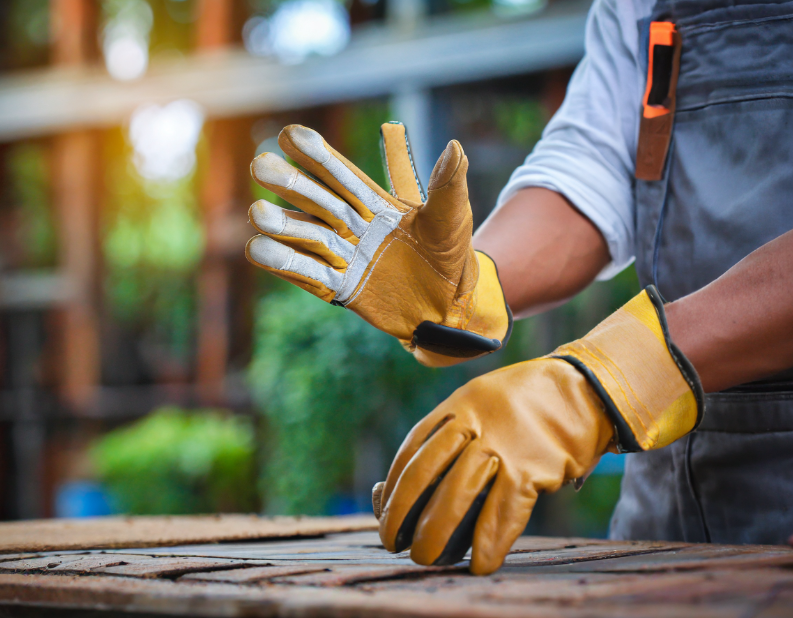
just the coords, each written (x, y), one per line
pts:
(230, 83)
(34, 289)
(217, 195)
(213, 28)
(76, 157)
(73, 25)
(75, 165)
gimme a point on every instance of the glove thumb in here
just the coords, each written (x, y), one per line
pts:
(445, 222)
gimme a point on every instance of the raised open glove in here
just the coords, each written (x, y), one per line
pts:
(403, 262)
(469, 473)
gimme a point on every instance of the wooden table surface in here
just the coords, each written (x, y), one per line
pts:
(350, 574)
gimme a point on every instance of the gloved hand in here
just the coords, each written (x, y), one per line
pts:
(469, 472)
(403, 263)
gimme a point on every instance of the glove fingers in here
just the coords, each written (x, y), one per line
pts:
(301, 231)
(398, 159)
(503, 519)
(420, 433)
(275, 174)
(290, 264)
(416, 483)
(446, 527)
(307, 147)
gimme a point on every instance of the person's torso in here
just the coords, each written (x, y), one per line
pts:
(726, 190)
(727, 187)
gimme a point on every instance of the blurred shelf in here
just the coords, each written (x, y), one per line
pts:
(128, 402)
(117, 403)
(378, 61)
(26, 405)
(34, 289)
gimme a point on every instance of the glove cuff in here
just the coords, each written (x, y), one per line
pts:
(649, 388)
(486, 330)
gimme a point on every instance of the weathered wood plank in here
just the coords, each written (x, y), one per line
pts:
(696, 557)
(72, 563)
(664, 594)
(543, 543)
(171, 567)
(252, 575)
(109, 532)
(197, 599)
(125, 594)
(366, 547)
(701, 557)
(12, 557)
(349, 575)
(469, 597)
(360, 546)
(574, 554)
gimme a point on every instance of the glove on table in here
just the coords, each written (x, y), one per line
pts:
(403, 262)
(469, 473)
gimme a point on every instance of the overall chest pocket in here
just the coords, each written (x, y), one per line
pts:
(729, 173)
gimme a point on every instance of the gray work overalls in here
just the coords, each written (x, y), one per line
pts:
(727, 189)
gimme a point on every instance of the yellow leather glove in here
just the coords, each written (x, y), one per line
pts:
(403, 262)
(469, 473)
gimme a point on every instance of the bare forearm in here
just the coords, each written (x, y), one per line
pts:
(740, 327)
(546, 251)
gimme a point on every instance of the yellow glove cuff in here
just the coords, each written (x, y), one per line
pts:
(649, 388)
(484, 323)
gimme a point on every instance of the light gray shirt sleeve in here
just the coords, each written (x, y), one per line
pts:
(587, 151)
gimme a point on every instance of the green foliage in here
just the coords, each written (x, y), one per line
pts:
(160, 229)
(362, 133)
(321, 375)
(594, 504)
(26, 37)
(30, 191)
(469, 5)
(178, 462)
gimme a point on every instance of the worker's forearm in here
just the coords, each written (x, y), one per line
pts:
(740, 327)
(546, 251)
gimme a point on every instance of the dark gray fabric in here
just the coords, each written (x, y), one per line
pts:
(731, 481)
(727, 190)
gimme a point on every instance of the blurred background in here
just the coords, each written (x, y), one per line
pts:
(145, 366)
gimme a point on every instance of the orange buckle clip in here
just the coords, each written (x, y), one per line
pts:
(659, 69)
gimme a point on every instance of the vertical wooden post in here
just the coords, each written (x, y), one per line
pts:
(76, 158)
(217, 197)
(74, 31)
(215, 21)
(75, 161)
(217, 194)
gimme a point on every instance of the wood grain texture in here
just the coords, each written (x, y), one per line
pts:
(351, 575)
(253, 575)
(172, 567)
(74, 563)
(109, 532)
